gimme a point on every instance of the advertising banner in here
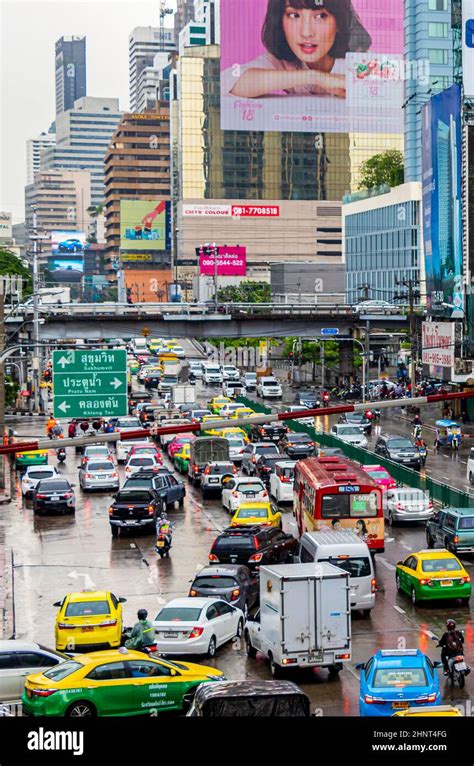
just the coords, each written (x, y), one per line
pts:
(231, 261)
(67, 242)
(145, 225)
(438, 340)
(314, 66)
(6, 226)
(468, 47)
(442, 209)
(66, 268)
(234, 211)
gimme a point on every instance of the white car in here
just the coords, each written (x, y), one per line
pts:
(212, 374)
(128, 423)
(281, 481)
(123, 448)
(269, 388)
(241, 490)
(96, 452)
(298, 408)
(34, 474)
(230, 372)
(137, 463)
(377, 307)
(18, 659)
(177, 351)
(237, 445)
(196, 626)
(407, 504)
(196, 368)
(350, 434)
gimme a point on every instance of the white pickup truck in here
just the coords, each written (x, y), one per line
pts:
(269, 388)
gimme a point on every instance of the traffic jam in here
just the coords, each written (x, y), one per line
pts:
(205, 555)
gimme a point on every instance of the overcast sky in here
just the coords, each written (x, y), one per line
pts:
(29, 30)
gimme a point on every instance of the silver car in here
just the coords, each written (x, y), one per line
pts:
(405, 504)
(99, 474)
(19, 659)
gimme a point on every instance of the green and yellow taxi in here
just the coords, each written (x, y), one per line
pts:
(216, 404)
(430, 575)
(229, 433)
(154, 344)
(89, 618)
(182, 457)
(114, 683)
(438, 711)
(33, 457)
(133, 365)
(256, 513)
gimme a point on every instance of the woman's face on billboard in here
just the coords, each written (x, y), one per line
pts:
(310, 34)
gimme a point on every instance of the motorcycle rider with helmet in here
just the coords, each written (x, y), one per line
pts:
(143, 632)
(164, 527)
(451, 643)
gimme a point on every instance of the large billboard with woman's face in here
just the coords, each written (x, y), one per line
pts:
(314, 65)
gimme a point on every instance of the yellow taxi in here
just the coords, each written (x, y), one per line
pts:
(229, 433)
(89, 618)
(155, 343)
(443, 711)
(242, 412)
(433, 575)
(216, 404)
(256, 513)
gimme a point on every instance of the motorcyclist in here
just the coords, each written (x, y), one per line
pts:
(451, 643)
(51, 423)
(164, 527)
(57, 430)
(417, 421)
(143, 632)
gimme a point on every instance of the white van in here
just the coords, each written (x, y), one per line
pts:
(211, 374)
(347, 551)
(470, 467)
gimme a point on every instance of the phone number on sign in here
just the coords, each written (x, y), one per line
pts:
(223, 262)
(247, 210)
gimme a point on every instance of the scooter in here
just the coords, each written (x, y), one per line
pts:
(163, 545)
(458, 668)
(61, 454)
(150, 650)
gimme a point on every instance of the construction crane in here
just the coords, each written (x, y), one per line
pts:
(164, 11)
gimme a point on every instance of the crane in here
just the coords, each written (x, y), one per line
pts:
(164, 11)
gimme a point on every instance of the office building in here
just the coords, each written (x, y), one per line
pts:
(34, 147)
(383, 243)
(83, 135)
(307, 283)
(143, 45)
(153, 83)
(70, 65)
(429, 55)
(204, 29)
(184, 13)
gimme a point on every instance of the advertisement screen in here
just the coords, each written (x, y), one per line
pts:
(66, 268)
(231, 261)
(314, 65)
(67, 242)
(145, 225)
(442, 224)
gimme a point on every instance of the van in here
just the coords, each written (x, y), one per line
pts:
(346, 551)
(212, 374)
(470, 467)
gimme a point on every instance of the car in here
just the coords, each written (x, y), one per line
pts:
(400, 449)
(229, 372)
(233, 388)
(137, 463)
(281, 481)
(128, 423)
(212, 374)
(233, 583)
(237, 444)
(406, 504)
(453, 528)
(146, 413)
(156, 379)
(176, 443)
(154, 344)
(350, 434)
(31, 457)
(196, 626)
(253, 546)
(250, 699)
(297, 445)
(34, 474)
(443, 711)
(134, 508)
(197, 415)
(330, 452)
(123, 448)
(240, 490)
(144, 371)
(196, 368)
(88, 619)
(269, 388)
(228, 410)
(17, 660)
(217, 403)
(397, 679)
(309, 421)
(376, 307)
(271, 431)
(114, 683)
(431, 575)
(162, 482)
(307, 398)
(358, 419)
(178, 351)
(249, 380)
(137, 397)
(96, 452)
(381, 476)
(182, 457)
(56, 495)
(146, 449)
(253, 451)
(265, 466)
(214, 476)
(98, 474)
(256, 513)
(71, 245)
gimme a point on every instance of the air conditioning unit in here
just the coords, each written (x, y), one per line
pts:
(463, 366)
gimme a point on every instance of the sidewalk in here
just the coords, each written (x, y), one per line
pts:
(6, 494)
(6, 593)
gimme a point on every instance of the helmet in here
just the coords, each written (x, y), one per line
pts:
(142, 614)
(163, 516)
(450, 623)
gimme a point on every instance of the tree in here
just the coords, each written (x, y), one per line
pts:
(10, 264)
(385, 168)
(246, 292)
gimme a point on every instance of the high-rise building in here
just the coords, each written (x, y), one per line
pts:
(204, 29)
(83, 135)
(34, 147)
(429, 62)
(143, 44)
(184, 14)
(70, 71)
(151, 82)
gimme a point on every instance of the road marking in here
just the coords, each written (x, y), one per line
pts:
(386, 564)
(399, 609)
(132, 545)
(407, 547)
(389, 539)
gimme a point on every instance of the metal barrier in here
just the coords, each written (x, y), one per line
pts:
(439, 492)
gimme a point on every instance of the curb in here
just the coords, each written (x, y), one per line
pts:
(6, 594)
(6, 494)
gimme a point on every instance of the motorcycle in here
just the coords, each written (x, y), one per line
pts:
(163, 544)
(417, 431)
(150, 649)
(458, 668)
(423, 453)
(61, 454)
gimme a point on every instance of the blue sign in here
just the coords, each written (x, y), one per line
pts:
(349, 488)
(329, 331)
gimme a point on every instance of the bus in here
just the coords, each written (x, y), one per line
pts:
(334, 493)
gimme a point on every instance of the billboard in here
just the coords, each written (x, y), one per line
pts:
(442, 207)
(66, 268)
(314, 66)
(64, 243)
(231, 261)
(468, 47)
(231, 211)
(145, 225)
(438, 339)
(6, 226)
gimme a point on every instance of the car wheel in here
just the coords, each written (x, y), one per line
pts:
(240, 628)
(465, 601)
(461, 680)
(398, 583)
(390, 519)
(429, 540)
(366, 613)
(211, 649)
(114, 530)
(81, 709)
(251, 652)
(414, 598)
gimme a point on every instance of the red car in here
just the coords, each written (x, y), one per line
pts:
(146, 449)
(175, 445)
(381, 476)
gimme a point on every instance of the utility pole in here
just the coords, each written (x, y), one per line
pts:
(412, 294)
(36, 360)
(322, 364)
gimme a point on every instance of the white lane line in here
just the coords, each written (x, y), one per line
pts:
(386, 564)
(389, 539)
(399, 609)
(407, 547)
(463, 461)
(448, 478)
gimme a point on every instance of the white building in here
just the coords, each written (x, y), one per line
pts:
(143, 44)
(34, 147)
(149, 82)
(204, 29)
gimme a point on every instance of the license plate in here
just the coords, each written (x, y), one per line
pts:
(406, 460)
(213, 481)
(160, 544)
(87, 628)
(445, 583)
(170, 635)
(249, 494)
(399, 705)
(130, 523)
(55, 497)
(460, 666)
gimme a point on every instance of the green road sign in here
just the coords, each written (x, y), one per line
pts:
(89, 383)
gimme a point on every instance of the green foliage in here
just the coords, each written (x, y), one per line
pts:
(311, 351)
(11, 391)
(385, 168)
(246, 292)
(10, 264)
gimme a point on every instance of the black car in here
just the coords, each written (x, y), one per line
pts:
(265, 466)
(400, 449)
(268, 431)
(134, 508)
(297, 445)
(308, 399)
(136, 397)
(234, 583)
(162, 482)
(152, 380)
(253, 546)
(55, 495)
(250, 699)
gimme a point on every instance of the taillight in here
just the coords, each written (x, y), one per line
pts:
(346, 656)
(256, 557)
(264, 493)
(285, 479)
(195, 468)
(289, 661)
(196, 632)
(464, 580)
(88, 476)
(207, 470)
(234, 469)
(43, 692)
(254, 458)
(212, 557)
(40, 496)
(426, 582)
(111, 510)
(426, 698)
(193, 592)
(430, 505)
(235, 594)
(370, 700)
(107, 623)
(373, 584)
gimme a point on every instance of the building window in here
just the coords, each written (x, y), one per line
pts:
(437, 5)
(439, 82)
(438, 56)
(437, 29)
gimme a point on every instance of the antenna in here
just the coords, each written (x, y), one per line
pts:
(164, 11)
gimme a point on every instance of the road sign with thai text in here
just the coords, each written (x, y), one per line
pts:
(90, 383)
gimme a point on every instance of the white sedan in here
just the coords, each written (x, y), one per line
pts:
(196, 626)
(137, 463)
(241, 490)
(35, 474)
(124, 447)
(281, 481)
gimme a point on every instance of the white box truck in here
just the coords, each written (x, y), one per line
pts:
(183, 394)
(304, 618)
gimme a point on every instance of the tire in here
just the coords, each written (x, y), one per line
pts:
(465, 601)
(334, 671)
(461, 680)
(429, 540)
(251, 652)
(276, 671)
(471, 478)
(114, 530)
(390, 519)
(240, 628)
(211, 649)
(414, 598)
(397, 582)
(81, 709)
(366, 613)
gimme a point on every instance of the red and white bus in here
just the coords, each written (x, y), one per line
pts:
(334, 493)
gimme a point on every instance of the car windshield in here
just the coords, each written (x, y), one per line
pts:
(141, 461)
(236, 442)
(53, 486)
(215, 581)
(40, 474)
(95, 451)
(270, 461)
(411, 495)
(220, 469)
(107, 465)
(87, 608)
(62, 670)
(348, 431)
(178, 614)
(129, 423)
(134, 497)
(399, 677)
(252, 513)
(374, 473)
(357, 566)
(246, 487)
(440, 565)
(399, 444)
(466, 523)
(288, 473)
(298, 438)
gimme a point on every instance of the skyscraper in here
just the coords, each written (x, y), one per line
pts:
(143, 45)
(34, 147)
(70, 71)
(184, 14)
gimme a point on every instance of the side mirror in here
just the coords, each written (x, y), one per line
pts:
(360, 666)
(57, 603)
(399, 563)
(122, 600)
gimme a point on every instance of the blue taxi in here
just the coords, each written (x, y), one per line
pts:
(397, 679)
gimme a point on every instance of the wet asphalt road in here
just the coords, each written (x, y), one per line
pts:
(55, 555)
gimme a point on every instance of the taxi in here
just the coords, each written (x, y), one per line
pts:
(440, 711)
(433, 575)
(216, 404)
(256, 513)
(229, 433)
(241, 413)
(207, 419)
(33, 457)
(381, 476)
(133, 365)
(114, 683)
(155, 343)
(89, 618)
(182, 457)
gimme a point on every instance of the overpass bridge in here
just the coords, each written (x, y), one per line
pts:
(180, 320)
